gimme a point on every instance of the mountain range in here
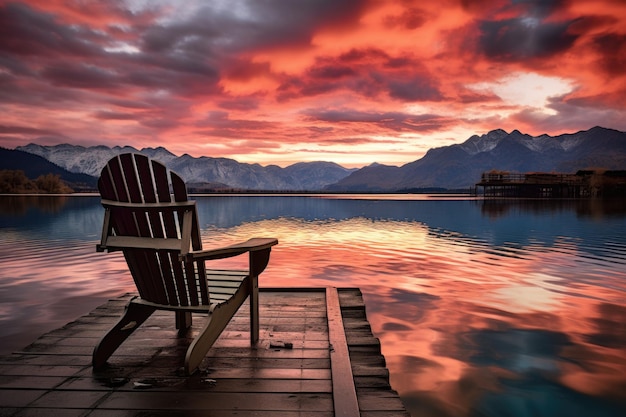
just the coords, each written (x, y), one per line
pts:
(457, 166)
(203, 173)
(460, 166)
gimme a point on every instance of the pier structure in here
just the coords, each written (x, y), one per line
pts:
(582, 184)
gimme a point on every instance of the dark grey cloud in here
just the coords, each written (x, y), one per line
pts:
(532, 33)
(572, 114)
(35, 92)
(524, 38)
(244, 69)
(276, 22)
(240, 103)
(114, 115)
(540, 8)
(535, 8)
(80, 76)
(294, 87)
(218, 123)
(25, 31)
(130, 104)
(15, 65)
(410, 18)
(331, 72)
(369, 72)
(612, 50)
(194, 36)
(417, 88)
(250, 25)
(25, 130)
(159, 123)
(396, 121)
(361, 54)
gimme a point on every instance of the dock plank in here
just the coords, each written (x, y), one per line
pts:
(344, 392)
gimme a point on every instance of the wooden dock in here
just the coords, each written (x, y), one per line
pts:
(316, 357)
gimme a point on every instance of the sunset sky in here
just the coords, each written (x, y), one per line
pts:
(282, 81)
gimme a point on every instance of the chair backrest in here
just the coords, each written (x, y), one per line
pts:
(150, 217)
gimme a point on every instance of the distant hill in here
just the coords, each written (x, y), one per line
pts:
(35, 166)
(459, 166)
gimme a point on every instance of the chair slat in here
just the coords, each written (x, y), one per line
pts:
(144, 173)
(219, 274)
(121, 242)
(179, 188)
(168, 260)
(198, 292)
(118, 181)
(176, 286)
(127, 166)
(105, 184)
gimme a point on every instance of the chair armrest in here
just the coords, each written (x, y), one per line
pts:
(250, 245)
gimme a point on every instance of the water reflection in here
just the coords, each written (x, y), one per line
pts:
(516, 314)
(55, 217)
(596, 208)
(18, 205)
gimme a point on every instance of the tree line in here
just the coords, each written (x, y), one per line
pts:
(16, 182)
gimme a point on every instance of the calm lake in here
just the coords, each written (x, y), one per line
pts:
(483, 308)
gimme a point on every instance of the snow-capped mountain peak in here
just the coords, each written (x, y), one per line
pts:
(484, 143)
(77, 159)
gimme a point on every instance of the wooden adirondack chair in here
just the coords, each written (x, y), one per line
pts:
(150, 219)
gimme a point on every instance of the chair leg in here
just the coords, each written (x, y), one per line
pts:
(215, 324)
(133, 317)
(254, 309)
(183, 320)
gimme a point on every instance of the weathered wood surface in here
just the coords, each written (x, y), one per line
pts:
(288, 372)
